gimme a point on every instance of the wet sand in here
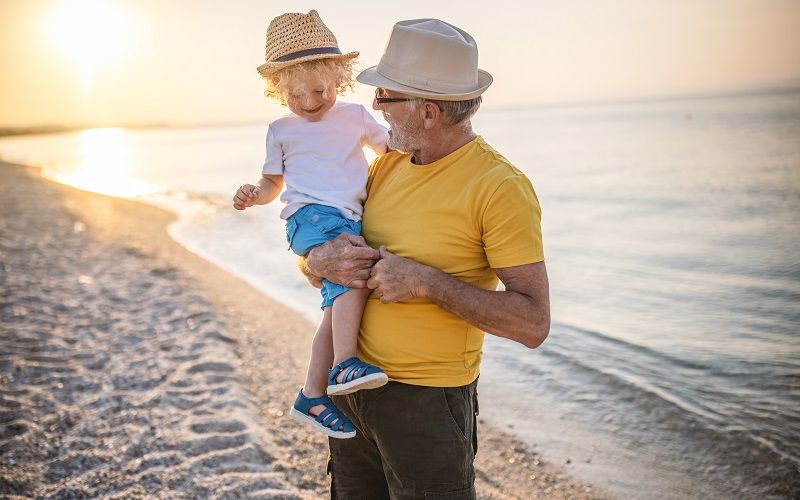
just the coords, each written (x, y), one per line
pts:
(130, 367)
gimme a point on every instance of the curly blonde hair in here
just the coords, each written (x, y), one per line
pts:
(281, 84)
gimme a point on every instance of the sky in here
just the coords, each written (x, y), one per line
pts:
(188, 62)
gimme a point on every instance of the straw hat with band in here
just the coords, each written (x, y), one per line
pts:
(294, 38)
(429, 58)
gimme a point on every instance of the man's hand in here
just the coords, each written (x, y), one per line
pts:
(346, 259)
(521, 312)
(396, 278)
(245, 196)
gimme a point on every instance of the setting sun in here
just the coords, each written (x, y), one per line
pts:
(90, 33)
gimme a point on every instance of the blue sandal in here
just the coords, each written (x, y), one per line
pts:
(331, 421)
(357, 375)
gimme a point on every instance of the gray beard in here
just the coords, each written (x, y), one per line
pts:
(404, 138)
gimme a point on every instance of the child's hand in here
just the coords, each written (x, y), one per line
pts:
(246, 196)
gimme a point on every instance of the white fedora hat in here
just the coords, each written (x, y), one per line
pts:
(429, 58)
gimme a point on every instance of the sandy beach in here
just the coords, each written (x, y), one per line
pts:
(132, 368)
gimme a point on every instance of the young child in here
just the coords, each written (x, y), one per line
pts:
(317, 151)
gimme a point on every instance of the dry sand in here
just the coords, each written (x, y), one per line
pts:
(130, 367)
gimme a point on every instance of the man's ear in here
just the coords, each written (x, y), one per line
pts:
(431, 115)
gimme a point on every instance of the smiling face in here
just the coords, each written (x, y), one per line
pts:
(309, 88)
(312, 96)
(405, 124)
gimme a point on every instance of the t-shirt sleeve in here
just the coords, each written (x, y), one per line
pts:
(273, 163)
(511, 225)
(375, 134)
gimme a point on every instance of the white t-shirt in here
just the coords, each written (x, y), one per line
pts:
(323, 162)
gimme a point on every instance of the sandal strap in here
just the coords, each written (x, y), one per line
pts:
(352, 372)
(327, 416)
(305, 403)
(330, 417)
(351, 369)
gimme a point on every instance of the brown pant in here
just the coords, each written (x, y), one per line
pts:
(413, 442)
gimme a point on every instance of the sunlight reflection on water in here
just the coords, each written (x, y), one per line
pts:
(103, 165)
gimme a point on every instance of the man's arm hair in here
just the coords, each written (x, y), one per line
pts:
(521, 312)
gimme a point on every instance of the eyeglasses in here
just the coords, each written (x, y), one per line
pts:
(380, 97)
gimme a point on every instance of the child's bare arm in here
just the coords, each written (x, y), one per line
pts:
(268, 188)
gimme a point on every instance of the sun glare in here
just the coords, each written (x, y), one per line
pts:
(369, 154)
(92, 34)
(103, 166)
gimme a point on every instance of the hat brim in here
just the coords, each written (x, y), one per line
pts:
(370, 76)
(267, 69)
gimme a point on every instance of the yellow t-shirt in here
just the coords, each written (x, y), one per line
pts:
(464, 214)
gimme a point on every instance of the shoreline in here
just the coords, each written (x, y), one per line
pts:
(269, 342)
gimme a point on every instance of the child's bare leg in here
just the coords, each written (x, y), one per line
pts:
(321, 360)
(347, 310)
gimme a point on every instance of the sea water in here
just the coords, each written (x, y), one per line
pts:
(672, 242)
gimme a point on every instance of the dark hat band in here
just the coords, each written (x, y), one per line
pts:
(308, 52)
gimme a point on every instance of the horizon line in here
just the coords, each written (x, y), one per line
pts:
(44, 129)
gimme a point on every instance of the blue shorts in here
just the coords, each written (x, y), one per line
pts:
(312, 226)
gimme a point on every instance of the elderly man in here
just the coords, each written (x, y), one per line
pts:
(446, 216)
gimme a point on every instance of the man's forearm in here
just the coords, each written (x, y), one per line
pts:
(509, 314)
(521, 312)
